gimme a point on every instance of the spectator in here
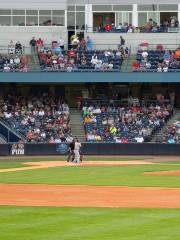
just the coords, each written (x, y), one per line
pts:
(61, 43)
(119, 27)
(89, 44)
(18, 48)
(39, 44)
(11, 48)
(145, 55)
(122, 41)
(136, 65)
(82, 44)
(33, 45)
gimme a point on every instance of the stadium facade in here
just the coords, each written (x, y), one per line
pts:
(59, 18)
(52, 20)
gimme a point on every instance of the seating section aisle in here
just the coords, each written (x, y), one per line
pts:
(172, 133)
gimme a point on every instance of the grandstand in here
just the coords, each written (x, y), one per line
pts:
(104, 71)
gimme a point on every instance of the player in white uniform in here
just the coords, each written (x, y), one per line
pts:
(77, 147)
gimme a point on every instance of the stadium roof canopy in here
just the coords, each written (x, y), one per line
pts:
(32, 4)
(107, 2)
(62, 4)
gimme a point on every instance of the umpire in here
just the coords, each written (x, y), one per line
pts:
(71, 151)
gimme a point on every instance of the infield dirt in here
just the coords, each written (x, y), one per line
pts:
(87, 196)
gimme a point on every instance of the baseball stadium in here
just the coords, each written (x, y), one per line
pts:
(89, 120)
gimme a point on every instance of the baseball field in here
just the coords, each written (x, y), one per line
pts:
(103, 198)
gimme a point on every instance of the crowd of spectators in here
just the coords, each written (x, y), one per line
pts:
(79, 56)
(39, 117)
(150, 27)
(77, 60)
(157, 60)
(134, 122)
(14, 61)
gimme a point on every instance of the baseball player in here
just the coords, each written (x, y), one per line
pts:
(77, 147)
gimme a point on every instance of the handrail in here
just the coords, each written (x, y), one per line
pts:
(123, 30)
(3, 139)
(18, 134)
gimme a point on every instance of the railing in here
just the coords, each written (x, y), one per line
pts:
(3, 139)
(134, 30)
(11, 131)
(8, 48)
(164, 46)
(115, 103)
(97, 46)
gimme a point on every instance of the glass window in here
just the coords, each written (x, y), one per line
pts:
(5, 20)
(142, 19)
(152, 7)
(80, 20)
(31, 12)
(123, 17)
(18, 20)
(119, 18)
(122, 8)
(168, 7)
(45, 12)
(57, 21)
(71, 8)
(102, 8)
(154, 16)
(5, 11)
(31, 20)
(18, 12)
(130, 18)
(71, 20)
(80, 8)
(44, 20)
(58, 12)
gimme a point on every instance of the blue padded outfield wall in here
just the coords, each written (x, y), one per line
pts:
(70, 77)
(91, 149)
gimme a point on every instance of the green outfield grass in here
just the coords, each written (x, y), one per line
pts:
(66, 223)
(51, 223)
(106, 175)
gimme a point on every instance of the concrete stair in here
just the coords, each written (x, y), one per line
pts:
(127, 63)
(76, 123)
(175, 117)
(34, 63)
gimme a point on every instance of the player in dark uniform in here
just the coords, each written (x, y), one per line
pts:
(71, 152)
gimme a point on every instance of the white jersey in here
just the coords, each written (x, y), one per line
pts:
(77, 146)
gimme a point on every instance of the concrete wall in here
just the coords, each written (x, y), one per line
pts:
(24, 34)
(103, 2)
(111, 40)
(33, 4)
(87, 77)
(101, 40)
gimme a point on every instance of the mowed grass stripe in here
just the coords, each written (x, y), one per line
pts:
(52, 223)
(107, 175)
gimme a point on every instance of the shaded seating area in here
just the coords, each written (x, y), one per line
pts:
(128, 123)
(40, 118)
